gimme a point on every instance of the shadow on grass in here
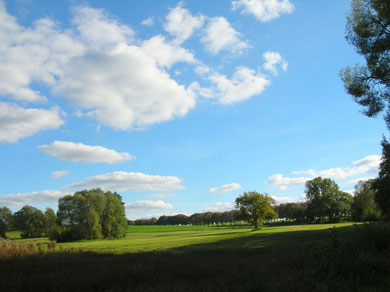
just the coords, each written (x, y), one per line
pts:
(291, 261)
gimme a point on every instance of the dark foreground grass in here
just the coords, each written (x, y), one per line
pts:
(348, 259)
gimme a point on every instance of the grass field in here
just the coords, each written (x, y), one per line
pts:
(164, 238)
(185, 258)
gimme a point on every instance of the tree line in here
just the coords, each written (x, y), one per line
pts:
(95, 214)
(92, 214)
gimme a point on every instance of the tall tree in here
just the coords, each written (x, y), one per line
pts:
(255, 207)
(368, 30)
(325, 201)
(364, 207)
(382, 183)
(31, 222)
(6, 220)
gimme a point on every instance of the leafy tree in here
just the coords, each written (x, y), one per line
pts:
(91, 214)
(6, 220)
(368, 30)
(292, 211)
(382, 183)
(255, 207)
(197, 218)
(51, 222)
(31, 222)
(364, 207)
(325, 201)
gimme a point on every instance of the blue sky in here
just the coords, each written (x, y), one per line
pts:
(178, 106)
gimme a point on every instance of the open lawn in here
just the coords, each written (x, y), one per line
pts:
(276, 258)
(163, 238)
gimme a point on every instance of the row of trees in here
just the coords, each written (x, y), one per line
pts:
(207, 218)
(90, 214)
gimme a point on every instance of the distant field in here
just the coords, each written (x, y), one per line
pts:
(165, 238)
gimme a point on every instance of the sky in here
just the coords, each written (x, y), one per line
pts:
(179, 106)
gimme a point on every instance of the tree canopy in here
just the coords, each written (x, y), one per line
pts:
(368, 30)
(255, 207)
(325, 201)
(91, 214)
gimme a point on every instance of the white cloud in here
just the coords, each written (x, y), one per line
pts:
(17, 122)
(59, 173)
(124, 89)
(272, 59)
(356, 180)
(148, 21)
(29, 55)
(220, 35)
(368, 164)
(220, 207)
(20, 199)
(162, 196)
(282, 183)
(70, 151)
(244, 84)
(182, 24)
(99, 30)
(225, 188)
(166, 54)
(280, 200)
(123, 181)
(148, 206)
(264, 10)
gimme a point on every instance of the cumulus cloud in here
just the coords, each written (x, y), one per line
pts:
(280, 200)
(35, 54)
(220, 35)
(166, 54)
(21, 199)
(264, 10)
(244, 84)
(79, 152)
(161, 196)
(59, 173)
(272, 60)
(282, 183)
(182, 24)
(368, 164)
(148, 21)
(148, 206)
(123, 181)
(220, 207)
(17, 122)
(225, 188)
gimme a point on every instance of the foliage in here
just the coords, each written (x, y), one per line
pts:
(255, 207)
(368, 30)
(91, 214)
(31, 221)
(382, 183)
(364, 207)
(6, 220)
(292, 211)
(325, 201)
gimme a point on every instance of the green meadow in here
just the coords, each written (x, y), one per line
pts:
(171, 238)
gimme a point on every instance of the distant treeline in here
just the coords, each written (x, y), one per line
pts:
(95, 214)
(207, 218)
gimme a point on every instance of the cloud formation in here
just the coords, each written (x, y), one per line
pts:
(367, 165)
(182, 24)
(272, 60)
(148, 206)
(161, 196)
(21, 199)
(17, 122)
(220, 207)
(220, 35)
(225, 188)
(121, 181)
(59, 173)
(79, 152)
(264, 10)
